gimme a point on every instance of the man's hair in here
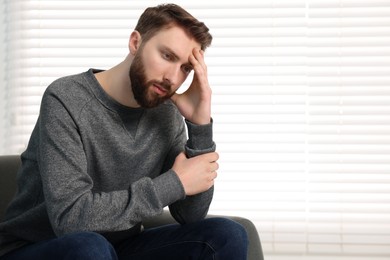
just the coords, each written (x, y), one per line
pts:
(154, 19)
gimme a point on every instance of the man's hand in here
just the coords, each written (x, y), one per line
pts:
(197, 174)
(195, 103)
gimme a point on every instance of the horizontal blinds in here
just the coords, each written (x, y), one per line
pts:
(349, 161)
(303, 123)
(301, 107)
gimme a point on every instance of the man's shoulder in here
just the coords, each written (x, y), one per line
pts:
(67, 84)
(71, 91)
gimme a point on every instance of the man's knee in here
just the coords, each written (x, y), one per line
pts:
(230, 229)
(230, 238)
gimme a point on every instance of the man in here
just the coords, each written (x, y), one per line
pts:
(109, 150)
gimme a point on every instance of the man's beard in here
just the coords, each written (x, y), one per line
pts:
(141, 86)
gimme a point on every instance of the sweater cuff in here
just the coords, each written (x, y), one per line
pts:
(200, 139)
(169, 188)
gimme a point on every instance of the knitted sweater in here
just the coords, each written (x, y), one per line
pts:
(93, 164)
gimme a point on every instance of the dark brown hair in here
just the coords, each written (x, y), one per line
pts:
(154, 19)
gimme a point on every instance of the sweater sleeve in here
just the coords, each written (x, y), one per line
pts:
(194, 208)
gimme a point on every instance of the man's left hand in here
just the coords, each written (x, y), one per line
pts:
(195, 103)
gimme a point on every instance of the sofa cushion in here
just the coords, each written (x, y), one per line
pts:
(9, 166)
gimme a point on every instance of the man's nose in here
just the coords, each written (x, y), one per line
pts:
(172, 75)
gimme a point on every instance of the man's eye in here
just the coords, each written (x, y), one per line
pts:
(187, 69)
(167, 56)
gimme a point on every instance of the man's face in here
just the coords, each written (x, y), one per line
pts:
(160, 66)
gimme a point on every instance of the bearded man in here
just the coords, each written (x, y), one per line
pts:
(110, 150)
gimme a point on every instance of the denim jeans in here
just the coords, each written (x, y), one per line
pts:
(214, 238)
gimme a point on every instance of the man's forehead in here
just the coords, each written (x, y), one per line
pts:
(176, 40)
(175, 35)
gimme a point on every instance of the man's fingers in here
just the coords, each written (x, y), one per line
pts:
(197, 61)
(199, 56)
(214, 175)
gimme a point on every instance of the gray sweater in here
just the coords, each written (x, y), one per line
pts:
(93, 164)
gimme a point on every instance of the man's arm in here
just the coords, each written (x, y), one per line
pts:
(197, 168)
(199, 151)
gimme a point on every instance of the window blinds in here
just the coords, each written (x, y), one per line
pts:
(301, 107)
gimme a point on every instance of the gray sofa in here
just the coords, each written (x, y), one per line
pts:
(8, 168)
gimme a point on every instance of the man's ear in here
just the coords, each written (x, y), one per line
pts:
(134, 42)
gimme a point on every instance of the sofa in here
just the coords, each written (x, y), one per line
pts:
(9, 165)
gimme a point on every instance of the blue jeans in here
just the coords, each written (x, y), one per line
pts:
(214, 238)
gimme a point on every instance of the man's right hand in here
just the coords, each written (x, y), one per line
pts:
(196, 174)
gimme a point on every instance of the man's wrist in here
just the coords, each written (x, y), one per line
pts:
(200, 136)
(200, 122)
